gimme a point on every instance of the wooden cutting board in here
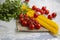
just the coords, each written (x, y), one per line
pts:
(25, 29)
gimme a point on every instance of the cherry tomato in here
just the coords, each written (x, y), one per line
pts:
(35, 15)
(27, 19)
(35, 22)
(26, 16)
(34, 7)
(32, 18)
(54, 14)
(26, 0)
(46, 12)
(31, 26)
(24, 23)
(37, 9)
(44, 8)
(41, 11)
(37, 26)
(21, 15)
(29, 22)
(21, 19)
(49, 17)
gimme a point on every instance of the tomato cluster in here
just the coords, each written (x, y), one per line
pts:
(53, 15)
(43, 10)
(30, 22)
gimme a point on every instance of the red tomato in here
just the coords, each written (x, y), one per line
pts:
(29, 22)
(44, 8)
(32, 18)
(35, 22)
(21, 19)
(34, 7)
(27, 19)
(26, 16)
(21, 15)
(26, 0)
(31, 26)
(49, 17)
(37, 26)
(24, 23)
(54, 14)
(46, 12)
(37, 9)
(41, 11)
(35, 15)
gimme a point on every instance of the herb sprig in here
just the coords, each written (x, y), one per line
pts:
(10, 9)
